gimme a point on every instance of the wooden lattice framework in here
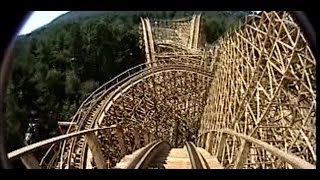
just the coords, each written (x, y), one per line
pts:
(250, 100)
(169, 94)
(168, 103)
(264, 86)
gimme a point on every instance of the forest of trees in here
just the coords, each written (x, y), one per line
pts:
(57, 66)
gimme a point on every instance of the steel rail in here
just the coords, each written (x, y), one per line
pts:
(196, 159)
(147, 154)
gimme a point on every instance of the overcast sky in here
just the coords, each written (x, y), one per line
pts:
(38, 19)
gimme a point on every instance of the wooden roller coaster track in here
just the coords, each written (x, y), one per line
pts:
(247, 102)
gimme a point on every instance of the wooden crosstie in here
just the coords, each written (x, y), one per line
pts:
(248, 101)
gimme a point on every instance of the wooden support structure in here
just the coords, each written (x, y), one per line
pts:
(264, 87)
(95, 149)
(66, 123)
(147, 47)
(242, 155)
(220, 150)
(120, 139)
(209, 142)
(151, 45)
(192, 32)
(259, 81)
(136, 138)
(146, 138)
(246, 141)
(196, 34)
(204, 140)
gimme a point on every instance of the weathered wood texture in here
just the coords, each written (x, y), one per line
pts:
(258, 79)
(264, 86)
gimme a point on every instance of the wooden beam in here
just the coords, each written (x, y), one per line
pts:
(95, 149)
(136, 139)
(204, 140)
(196, 35)
(32, 147)
(152, 52)
(120, 136)
(145, 37)
(223, 139)
(192, 32)
(293, 160)
(145, 138)
(209, 142)
(242, 154)
(66, 123)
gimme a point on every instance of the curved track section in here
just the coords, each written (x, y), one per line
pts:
(197, 160)
(146, 155)
(143, 100)
(155, 154)
(258, 82)
(75, 150)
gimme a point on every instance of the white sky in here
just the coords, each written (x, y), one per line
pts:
(38, 19)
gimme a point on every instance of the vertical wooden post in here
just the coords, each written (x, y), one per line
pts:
(192, 32)
(223, 140)
(145, 138)
(151, 45)
(242, 154)
(209, 142)
(136, 138)
(120, 137)
(203, 140)
(199, 142)
(30, 162)
(145, 37)
(196, 35)
(95, 149)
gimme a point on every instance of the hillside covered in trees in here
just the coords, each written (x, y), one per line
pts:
(57, 66)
